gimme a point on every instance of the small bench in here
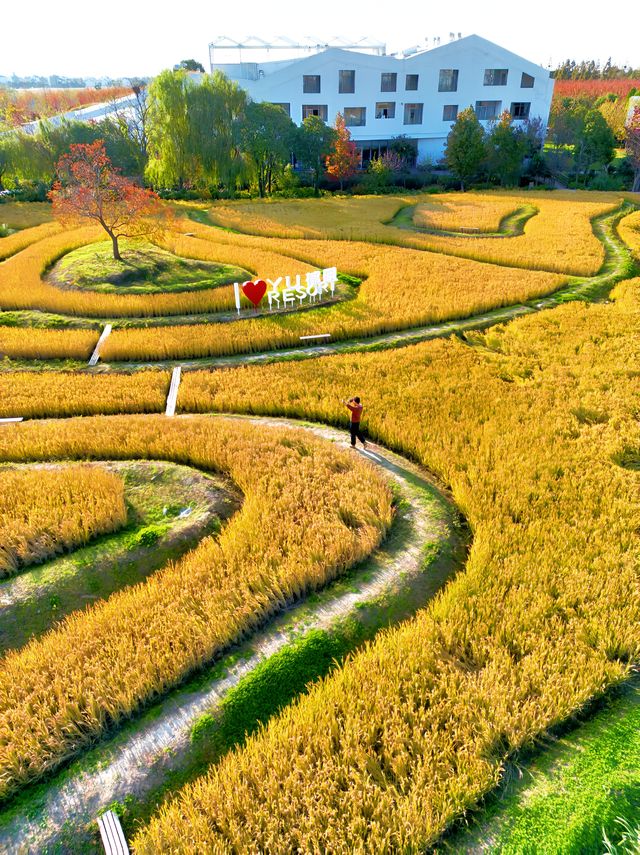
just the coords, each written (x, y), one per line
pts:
(112, 834)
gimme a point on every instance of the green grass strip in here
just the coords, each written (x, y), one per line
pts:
(572, 794)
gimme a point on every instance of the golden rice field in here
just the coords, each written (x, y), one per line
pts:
(46, 511)
(36, 343)
(402, 287)
(533, 426)
(388, 751)
(100, 665)
(59, 394)
(457, 213)
(558, 239)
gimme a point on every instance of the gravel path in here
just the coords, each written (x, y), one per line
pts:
(392, 584)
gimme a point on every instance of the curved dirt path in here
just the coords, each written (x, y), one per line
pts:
(424, 548)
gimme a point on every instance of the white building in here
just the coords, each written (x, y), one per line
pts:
(417, 94)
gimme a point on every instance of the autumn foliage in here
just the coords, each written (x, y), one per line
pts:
(91, 188)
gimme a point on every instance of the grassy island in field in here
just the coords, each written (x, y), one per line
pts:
(144, 269)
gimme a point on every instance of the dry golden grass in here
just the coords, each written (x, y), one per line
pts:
(559, 238)
(35, 395)
(35, 343)
(45, 512)
(536, 430)
(310, 510)
(403, 288)
(456, 213)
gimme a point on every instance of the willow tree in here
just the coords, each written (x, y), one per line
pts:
(194, 130)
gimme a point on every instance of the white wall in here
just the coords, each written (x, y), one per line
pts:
(283, 83)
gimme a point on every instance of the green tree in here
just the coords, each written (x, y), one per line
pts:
(215, 109)
(594, 144)
(506, 148)
(465, 148)
(168, 129)
(194, 130)
(313, 143)
(267, 136)
(191, 65)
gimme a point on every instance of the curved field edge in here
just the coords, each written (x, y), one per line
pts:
(618, 264)
(542, 619)
(569, 794)
(177, 739)
(196, 608)
(169, 508)
(511, 225)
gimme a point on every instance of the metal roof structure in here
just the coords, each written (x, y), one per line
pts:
(308, 44)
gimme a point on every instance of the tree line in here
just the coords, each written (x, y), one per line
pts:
(206, 138)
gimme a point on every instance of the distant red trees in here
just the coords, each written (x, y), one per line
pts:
(593, 88)
(18, 106)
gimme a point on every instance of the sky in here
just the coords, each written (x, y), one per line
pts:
(138, 38)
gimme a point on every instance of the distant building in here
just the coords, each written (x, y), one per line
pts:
(417, 94)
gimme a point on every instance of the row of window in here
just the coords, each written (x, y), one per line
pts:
(357, 116)
(447, 81)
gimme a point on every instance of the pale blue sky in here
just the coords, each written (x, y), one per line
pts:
(138, 37)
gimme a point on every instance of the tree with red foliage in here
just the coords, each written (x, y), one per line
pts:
(632, 146)
(344, 160)
(89, 187)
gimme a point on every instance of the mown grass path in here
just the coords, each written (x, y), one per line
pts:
(424, 548)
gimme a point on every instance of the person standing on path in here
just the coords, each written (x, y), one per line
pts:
(355, 408)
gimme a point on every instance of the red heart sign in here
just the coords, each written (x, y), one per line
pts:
(254, 291)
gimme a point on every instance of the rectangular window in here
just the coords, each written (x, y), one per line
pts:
(388, 81)
(448, 80)
(413, 114)
(488, 109)
(520, 109)
(411, 82)
(311, 83)
(285, 107)
(449, 112)
(527, 81)
(355, 116)
(386, 110)
(346, 82)
(320, 110)
(496, 76)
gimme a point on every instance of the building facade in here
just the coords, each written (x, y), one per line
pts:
(417, 95)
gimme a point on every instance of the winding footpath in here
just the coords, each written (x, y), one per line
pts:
(425, 546)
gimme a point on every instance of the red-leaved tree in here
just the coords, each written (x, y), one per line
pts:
(344, 159)
(632, 146)
(89, 187)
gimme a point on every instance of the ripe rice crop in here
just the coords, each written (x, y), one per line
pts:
(25, 215)
(46, 511)
(36, 395)
(35, 343)
(559, 238)
(21, 240)
(22, 286)
(402, 288)
(310, 511)
(535, 428)
(458, 213)
(629, 230)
